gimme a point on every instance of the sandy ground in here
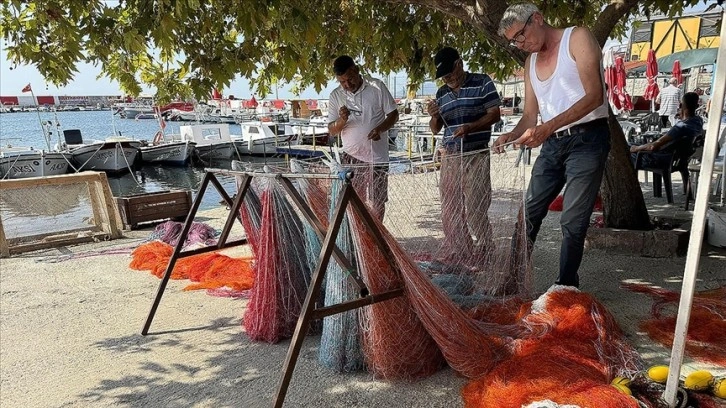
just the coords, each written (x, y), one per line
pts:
(70, 333)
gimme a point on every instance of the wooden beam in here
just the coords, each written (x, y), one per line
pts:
(355, 304)
(94, 195)
(114, 217)
(70, 239)
(234, 211)
(77, 178)
(320, 232)
(177, 252)
(4, 250)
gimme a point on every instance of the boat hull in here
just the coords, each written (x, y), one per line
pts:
(258, 147)
(112, 157)
(215, 151)
(33, 164)
(175, 153)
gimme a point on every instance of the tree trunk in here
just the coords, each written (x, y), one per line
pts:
(623, 202)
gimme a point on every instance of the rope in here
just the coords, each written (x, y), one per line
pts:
(120, 146)
(11, 166)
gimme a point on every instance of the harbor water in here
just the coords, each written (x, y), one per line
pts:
(24, 129)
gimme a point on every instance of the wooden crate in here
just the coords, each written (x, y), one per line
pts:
(156, 206)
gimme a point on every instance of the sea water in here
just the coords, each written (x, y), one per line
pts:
(24, 129)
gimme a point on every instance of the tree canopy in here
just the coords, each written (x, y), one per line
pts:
(185, 48)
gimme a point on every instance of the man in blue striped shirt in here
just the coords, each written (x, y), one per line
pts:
(466, 107)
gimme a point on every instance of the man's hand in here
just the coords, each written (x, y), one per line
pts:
(499, 145)
(648, 147)
(374, 135)
(344, 113)
(534, 136)
(462, 131)
(433, 109)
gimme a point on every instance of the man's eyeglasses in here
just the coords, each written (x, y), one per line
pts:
(519, 38)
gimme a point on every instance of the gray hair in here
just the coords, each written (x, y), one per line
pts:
(519, 12)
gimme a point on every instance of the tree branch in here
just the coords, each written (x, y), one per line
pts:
(610, 17)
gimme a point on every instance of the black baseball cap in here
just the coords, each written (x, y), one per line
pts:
(445, 60)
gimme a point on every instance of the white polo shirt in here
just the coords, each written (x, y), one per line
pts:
(368, 108)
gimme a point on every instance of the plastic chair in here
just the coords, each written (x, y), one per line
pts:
(676, 161)
(718, 171)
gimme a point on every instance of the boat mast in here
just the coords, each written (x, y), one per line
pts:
(40, 121)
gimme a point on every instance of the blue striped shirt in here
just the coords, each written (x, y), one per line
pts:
(476, 95)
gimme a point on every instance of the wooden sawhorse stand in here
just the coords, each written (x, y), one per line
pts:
(310, 311)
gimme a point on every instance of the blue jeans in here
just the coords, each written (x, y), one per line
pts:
(577, 161)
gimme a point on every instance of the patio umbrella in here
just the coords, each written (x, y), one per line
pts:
(620, 76)
(651, 72)
(677, 71)
(611, 80)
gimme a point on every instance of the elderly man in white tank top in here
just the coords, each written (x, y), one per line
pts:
(563, 83)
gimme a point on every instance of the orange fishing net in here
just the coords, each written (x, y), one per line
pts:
(705, 340)
(574, 351)
(209, 270)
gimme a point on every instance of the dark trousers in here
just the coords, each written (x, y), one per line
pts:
(577, 161)
(370, 182)
(649, 160)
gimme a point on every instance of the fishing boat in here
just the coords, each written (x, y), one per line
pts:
(213, 141)
(168, 149)
(24, 162)
(314, 128)
(113, 155)
(262, 138)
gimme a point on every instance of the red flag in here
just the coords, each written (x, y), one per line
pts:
(27, 88)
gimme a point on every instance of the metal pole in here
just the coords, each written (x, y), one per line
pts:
(695, 241)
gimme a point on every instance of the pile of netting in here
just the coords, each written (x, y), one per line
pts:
(212, 271)
(451, 235)
(706, 340)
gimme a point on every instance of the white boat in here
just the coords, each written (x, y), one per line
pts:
(24, 162)
(137, 111)
(168, 149)
(263, 138)
(213, 141)
(314, 128)
(113, 155)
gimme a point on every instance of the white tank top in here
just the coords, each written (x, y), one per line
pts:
(563, 88)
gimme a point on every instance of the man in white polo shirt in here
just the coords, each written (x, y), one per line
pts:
(362, 110)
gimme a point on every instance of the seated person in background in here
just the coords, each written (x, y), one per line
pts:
(686, 129)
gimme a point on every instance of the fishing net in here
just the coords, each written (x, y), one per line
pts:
(36, 213)
(340, 342)
(452, 238)
(441, 260)
(705, 340)
(208, 270)
(282, 270)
